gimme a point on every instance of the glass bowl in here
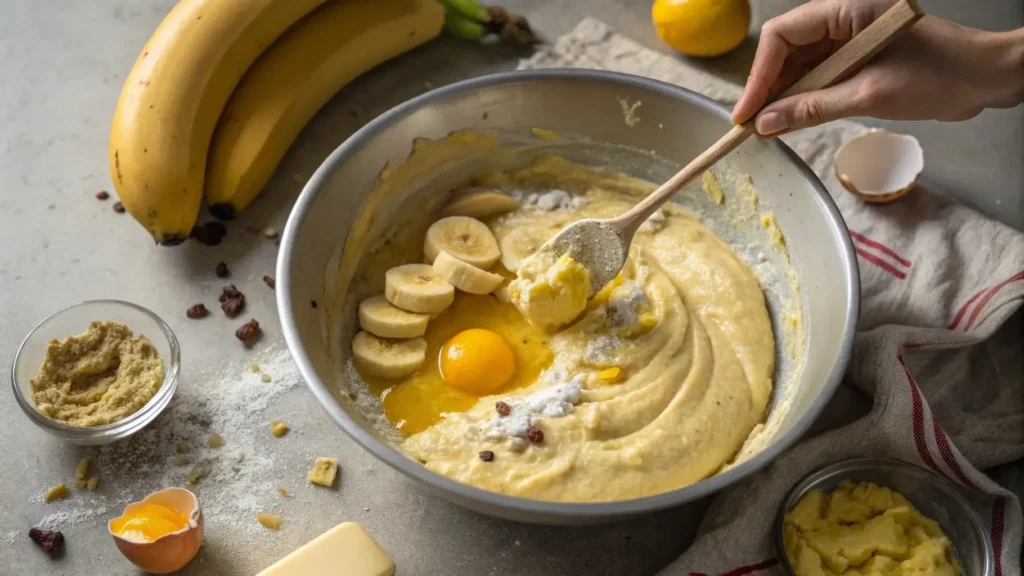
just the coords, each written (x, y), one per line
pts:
(75, 320)
(933, 495)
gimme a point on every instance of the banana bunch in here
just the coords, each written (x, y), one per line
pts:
(222, 88)
(460, 250)
(472, 20)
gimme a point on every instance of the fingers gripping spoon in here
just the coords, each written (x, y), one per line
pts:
(602, 246)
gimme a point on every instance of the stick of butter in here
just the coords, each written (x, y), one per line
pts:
(345, 549)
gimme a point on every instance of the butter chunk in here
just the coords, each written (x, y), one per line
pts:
(550, 292)
(58, 491)
(278, 428)
(272, 521)
(346, 544)
(323, 472)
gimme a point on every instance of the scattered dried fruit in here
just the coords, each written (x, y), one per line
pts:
(181, 448)
(272, 521)
(102, 195)
(82, 470)
(270, 282)
(222, 270)
(197, 311)
(487, 456)
(265, 377)
(248, 331)
(51, 540)
(180, 459)
(118, 207)
(313, 304)
(278, 428)
(323, 472)
(282, 492)
(231, 301)
(58, 491)
(254, 368)
(209, 234)
(214, 441)
(93, 482)
(534, 434)
(503, 408)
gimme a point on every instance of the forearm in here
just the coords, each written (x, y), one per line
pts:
(1003, 76)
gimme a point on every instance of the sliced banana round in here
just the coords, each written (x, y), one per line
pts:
(468, 239)
(386, 357)
(382, 318)
(480, 203)
(465, 277)
(520, 244)
(417, 288)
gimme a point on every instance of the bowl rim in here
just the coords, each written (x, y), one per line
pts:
(125, 426)
(569, 510)
(805, 484)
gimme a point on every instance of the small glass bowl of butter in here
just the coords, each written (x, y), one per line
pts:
(932, 495)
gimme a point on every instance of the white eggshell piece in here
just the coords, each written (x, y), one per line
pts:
(879, 162)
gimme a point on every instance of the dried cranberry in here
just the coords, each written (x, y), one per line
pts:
(102, 195)
(487, 455)
(534, 434)
(197, 311)
(231, 301)
(270, 282)
(248, 331)
(51, 541)
(503, 408)
(222, 270)
(118, 207)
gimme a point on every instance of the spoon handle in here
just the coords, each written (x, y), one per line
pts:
(838, 66)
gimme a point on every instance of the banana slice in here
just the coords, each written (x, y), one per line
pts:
(381, 318)
(388, 358)
(480, 203)
(467, 239)
(417, 288)
(520, 244)
(465, 277)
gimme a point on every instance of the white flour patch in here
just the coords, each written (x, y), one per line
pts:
(229, 402)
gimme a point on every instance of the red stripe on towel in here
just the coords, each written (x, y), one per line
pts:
(988, 297)
(880, 247)
(881, 263)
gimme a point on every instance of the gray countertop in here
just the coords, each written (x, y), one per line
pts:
(62, 64)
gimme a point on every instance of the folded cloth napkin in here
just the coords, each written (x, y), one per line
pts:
(937, 349)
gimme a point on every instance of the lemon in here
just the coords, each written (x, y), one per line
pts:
(702, 27)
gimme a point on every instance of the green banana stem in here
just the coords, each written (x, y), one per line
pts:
(456, 24)
(469, 8)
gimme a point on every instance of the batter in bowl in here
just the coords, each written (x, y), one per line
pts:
(655, 386)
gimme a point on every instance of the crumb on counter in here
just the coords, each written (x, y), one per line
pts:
(323, 472)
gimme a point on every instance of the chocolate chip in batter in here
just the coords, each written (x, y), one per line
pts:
(487, 455)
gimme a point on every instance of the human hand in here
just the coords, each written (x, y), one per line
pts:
(938, 70)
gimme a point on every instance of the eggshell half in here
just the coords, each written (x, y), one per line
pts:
(879, 166)
(171, 552)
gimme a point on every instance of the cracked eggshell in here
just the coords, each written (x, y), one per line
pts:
(879, 166)
(170, 552)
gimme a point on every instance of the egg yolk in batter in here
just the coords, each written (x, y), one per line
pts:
(478, 346)
(148, 522)
(477, 361)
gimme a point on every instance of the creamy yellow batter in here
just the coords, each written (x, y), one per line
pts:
(659, 382)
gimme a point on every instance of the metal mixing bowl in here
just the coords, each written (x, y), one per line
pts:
(586, 106)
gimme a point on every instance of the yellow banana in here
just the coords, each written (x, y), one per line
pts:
(172, 98)
(295, 77)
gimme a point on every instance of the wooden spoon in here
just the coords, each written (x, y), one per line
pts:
(603, 245)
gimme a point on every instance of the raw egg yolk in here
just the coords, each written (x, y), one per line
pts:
(148, 522)
(477, 361)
